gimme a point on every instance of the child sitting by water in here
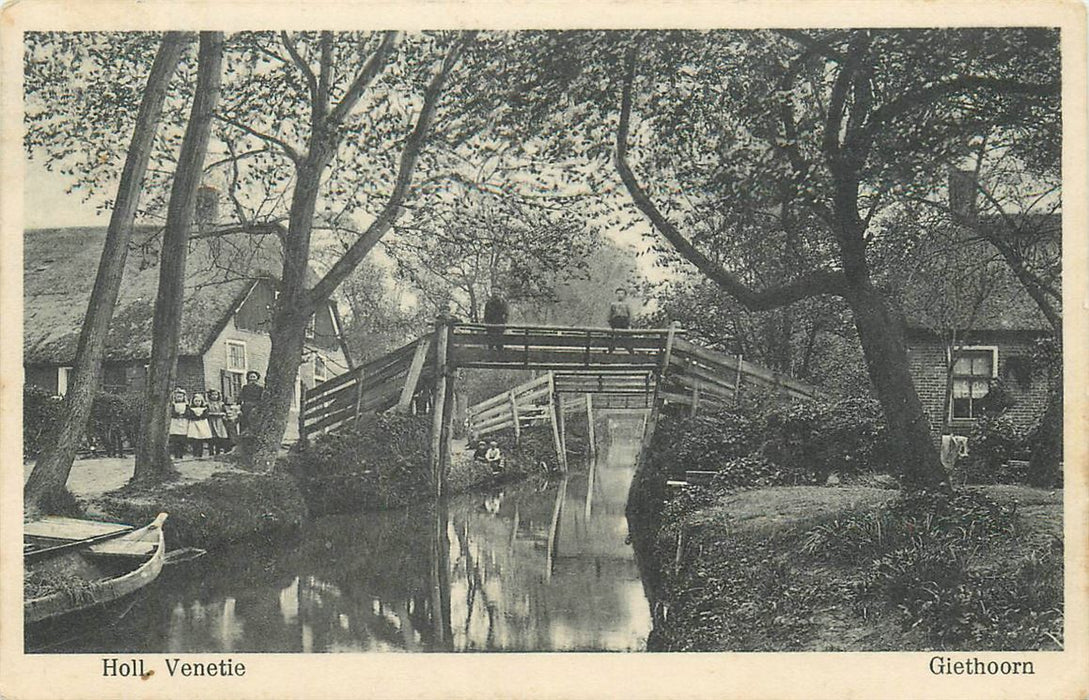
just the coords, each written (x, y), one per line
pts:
(494, 457)
(480, 454)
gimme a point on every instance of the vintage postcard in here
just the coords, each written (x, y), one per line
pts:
(545, 349)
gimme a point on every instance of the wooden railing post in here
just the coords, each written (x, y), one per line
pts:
(302, 417)
(514, 417)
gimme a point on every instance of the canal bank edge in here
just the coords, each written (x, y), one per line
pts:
(341, 474)
(781, 568)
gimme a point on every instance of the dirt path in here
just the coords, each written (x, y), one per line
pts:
(90, 478)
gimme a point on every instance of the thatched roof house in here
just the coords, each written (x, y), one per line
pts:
(230, 286)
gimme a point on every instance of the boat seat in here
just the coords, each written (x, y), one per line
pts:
(123, 548)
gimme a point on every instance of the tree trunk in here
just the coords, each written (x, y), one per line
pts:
(288, 332)
(152, 456)
(50, 474)
(270, 419)
(885, 351)
(1047, 453)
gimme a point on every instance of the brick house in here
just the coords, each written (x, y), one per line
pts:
(997, 346)
(230, 287)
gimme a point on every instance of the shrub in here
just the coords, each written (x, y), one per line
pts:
(379, 462)
(754, 471)
(707, 441)
(41, 411)
(228, 507)
(821, 437)
(993, 442)
(114, 420)
(796, 443)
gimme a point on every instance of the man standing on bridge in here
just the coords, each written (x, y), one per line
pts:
(496, 312)
(620, 317)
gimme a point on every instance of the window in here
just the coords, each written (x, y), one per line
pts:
(230, 385)
(310, 328)
(321, 372)
(236, 356)
(972, 375)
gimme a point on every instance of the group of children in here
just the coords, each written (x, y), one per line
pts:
(213, 422)
(489, 455)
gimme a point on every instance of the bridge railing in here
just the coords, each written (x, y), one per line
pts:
(478, 345)
(373, 386)
(698, 375)
(622, 365)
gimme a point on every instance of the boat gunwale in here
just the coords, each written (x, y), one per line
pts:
(60, 603)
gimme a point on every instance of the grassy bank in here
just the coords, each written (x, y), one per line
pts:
(852, 568)
(227, 507)
(768, 558)
(382, 462)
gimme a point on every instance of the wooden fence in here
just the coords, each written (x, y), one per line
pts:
(698, 376)
(394, 380)
(525, 404)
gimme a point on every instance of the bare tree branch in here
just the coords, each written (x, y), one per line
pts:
(287, 148)
(816, 283)
(366, 75)
(302, 65)
(409, 155)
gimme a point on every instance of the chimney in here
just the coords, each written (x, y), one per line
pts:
(207, 212)
(962, 194)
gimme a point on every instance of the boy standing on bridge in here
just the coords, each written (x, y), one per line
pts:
(620, 316)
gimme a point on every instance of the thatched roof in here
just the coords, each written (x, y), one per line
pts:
(59, 267)
(1006, 305)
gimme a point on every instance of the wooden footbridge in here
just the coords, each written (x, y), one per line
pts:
(581, 368)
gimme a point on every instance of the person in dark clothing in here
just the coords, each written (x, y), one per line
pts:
(496, 312)
(480, 452)
(249, 397)
(620, 316)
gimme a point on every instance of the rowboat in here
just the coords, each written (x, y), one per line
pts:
(79, 570)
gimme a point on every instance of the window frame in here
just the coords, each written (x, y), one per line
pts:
(245, 356)
(324, 367)
(962, 351)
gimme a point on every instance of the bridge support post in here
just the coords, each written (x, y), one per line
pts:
(514, 417)
(590, 422)
(440, 416)
(652, 420)
(302, 416)
(404, 403)
(557, 441)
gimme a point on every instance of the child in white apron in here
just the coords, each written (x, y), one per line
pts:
(200, 432)
(179, 423)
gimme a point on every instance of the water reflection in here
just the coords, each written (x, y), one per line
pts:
(540, 566)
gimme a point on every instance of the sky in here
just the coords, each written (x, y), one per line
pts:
(47, 205)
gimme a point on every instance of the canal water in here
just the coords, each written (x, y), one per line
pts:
(539, 566)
